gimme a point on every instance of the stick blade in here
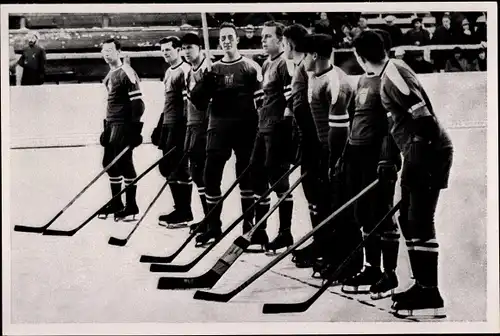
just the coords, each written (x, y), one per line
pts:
(281, 308)
(210, 296)
(117, 241)
(159, 268)
(50, 232)
(155, 259)
(202, 281)
(29, 229)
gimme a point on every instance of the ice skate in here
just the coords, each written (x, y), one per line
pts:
(385, 287)
(176, 219)
(284, 239)
(127, 214)
(212, 234)
(259, 237)
(110, 209)
(362, 282)
(419, 302)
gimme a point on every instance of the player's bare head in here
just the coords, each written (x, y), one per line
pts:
(386, 37)
(318, 48)
(110, 50)
(228, 37)
(369, 49)
(170, 47)
(191, 45)
(293, 36)
(272, 35)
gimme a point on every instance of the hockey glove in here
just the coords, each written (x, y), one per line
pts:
(164, 137)
(134, 136)
(387, 172)
(104, 137)
(155, 135)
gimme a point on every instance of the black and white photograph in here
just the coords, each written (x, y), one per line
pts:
(217, 169)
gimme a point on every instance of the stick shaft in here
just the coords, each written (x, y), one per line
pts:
(206, 41)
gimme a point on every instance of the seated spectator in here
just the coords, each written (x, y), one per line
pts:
(249, 40)
(457, 63)
(419, 64)
(393, 30)
(466, 36)
(362, 26)
(443, 35)
(418, 35)
(324, 26)
(479, 63)
(480, 28)
(346, 37)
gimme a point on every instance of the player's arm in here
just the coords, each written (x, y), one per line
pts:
(338, 119)
(255, 82)
(286, 81)
(205, 89)
(134, 95)
(302, 111)
(390, 156)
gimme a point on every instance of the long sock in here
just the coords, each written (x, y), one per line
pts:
(424, 261)
(130, 194)
(390, 249)
(174, 189)
(203, 199)
(116, 186)
(261, 209)
(216, 212)
(185, 190)
(373, 249)
(246, 199)
(285, 213)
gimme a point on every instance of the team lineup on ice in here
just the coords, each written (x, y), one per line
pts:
(347, 178)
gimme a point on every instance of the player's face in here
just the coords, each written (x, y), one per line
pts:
(191, 51)
(270, 42)
(310, 61)
(109, 52)
(228, 39)
(170, 54)
(287, 48)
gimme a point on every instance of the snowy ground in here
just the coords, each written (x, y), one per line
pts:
(82, 279)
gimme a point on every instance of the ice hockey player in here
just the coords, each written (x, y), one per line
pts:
(311, 148)
(231, 85)
(122, 128)
(273, 140)
(371, 151)
(171, 132)
(197, 120)
(427, 159)
(330, 95)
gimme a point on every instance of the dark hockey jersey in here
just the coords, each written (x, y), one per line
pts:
(124, 95)
(194, 115)
(233, 99)
(174, 108)
(405, 98)
(329, 96)
(276, 86)
(369, 122)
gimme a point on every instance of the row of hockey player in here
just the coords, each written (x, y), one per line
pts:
(347, 138)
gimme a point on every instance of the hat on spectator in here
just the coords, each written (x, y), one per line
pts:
(390, 18)
(415, 19)
(481, 19)
(249, 28)
(399, 52)
(465, 22)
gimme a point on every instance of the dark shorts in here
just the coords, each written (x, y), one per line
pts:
(239, 136)
(435, 174)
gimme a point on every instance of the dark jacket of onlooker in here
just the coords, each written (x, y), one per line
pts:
(457, 65)
(419, 37)
(33, 61)
(420, 65)
(443, 36)
(395, 33)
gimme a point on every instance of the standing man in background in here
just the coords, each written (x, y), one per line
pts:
(122, 128)
(31, 64)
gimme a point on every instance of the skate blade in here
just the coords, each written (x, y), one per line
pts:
(382, 295)
(272, 253)
(126, 219)
(255, 249)
(103, 217)
(171, 226)
(428, 313)
(206, 244)
(364, 289)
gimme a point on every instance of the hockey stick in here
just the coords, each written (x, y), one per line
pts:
(40, 229)
(278, 308)
(240, 244)
(191, 264)
(204, 25)
(225, 297)
(50, 232)
(170, 258)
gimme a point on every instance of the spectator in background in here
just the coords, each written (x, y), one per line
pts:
(480, 28)
(418, 35)
(467, 36)
(346, 37)
(12, 65)
(393, 30)
(481, 60)
(324, 26)
(419, 64)
(457, 63)
(30, 68)
(399, 53)
(362, 26)
(443, 35)
(249, 40)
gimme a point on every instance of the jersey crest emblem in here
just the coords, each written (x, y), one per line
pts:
(228, 79)
(362, 95)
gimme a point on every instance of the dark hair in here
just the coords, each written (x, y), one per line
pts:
(228, 25)
(280, 27)
(370, 46)
(295, 33)
(386, 37)
(117, 43)
(322, 44)
(191, 38)
(176, 42)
